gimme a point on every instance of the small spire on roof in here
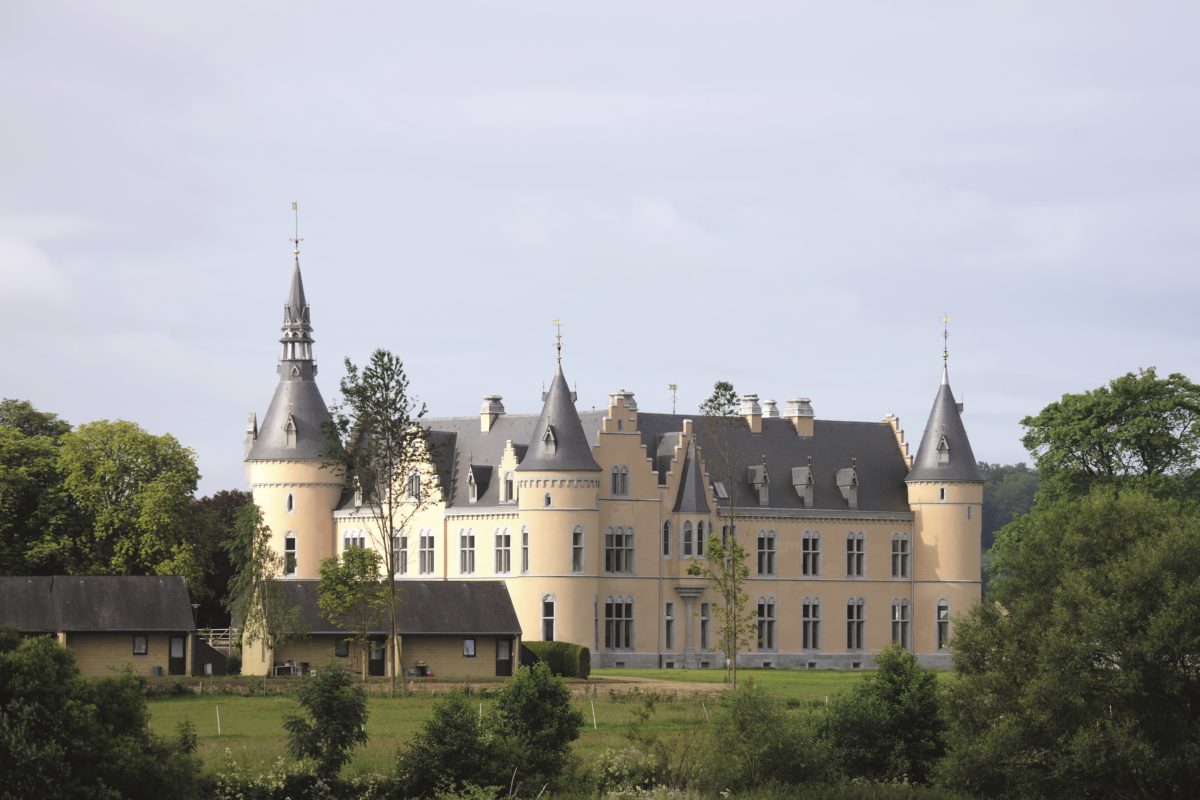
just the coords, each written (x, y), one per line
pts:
(945, 347)
(558, 338)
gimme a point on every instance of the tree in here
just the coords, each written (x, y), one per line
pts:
(217, 515)
(535, 725)
(726, 563)
(888, 728)
(387, 457)
(349, 591)
(335, 720)
(1138, 427)
(453, 748)
(21, 415)
(137, 489)
(1008, 492)
(64, 736)
(256, 595)
(38, 519)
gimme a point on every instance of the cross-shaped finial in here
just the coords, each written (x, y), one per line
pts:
(296, 240)
(558, 338)
(945, 337)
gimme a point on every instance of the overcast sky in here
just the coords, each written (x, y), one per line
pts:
(785, 195)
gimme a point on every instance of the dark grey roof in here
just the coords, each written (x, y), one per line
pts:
(693, 489)
(296, 311)
(834, 444)
(945, 422)
(458, 608)
(96, 603)
(570, 450)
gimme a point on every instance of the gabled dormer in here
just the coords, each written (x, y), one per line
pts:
(802, 482)
(760, 482)
(847, 483)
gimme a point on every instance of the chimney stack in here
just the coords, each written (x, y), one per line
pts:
(752, 412)
(800, 412)
(490, 411)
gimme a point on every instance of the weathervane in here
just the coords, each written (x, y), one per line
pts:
(674, 387)
(945, 337)
(296, 240)
(558, 338)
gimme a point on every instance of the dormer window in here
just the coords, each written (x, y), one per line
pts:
(472, 489)
(289, 432)
(847, 481)
(509, 494)
(719, 491)
(414, 485)
(943, 451)
(802, 481)
(549, 440)
(759, 480)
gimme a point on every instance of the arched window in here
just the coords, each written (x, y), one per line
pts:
(686, 538)
(811, 622)
(900, 555)
(855, 621)
(666, 539)
(766, 623)
(291, 503)
(466, 551)
(577, 549)
(618, 623)
(509, 494)
(524, 548)
(400, 553)
(766, 552)
(289, 554)
(547, 500)
(810, 553)
(547, 618)
(616, 481)
(503, 550)
(618, 550)
(701, 532)
(624, 481)
(900, 623)
(943, 624)
(855, 554)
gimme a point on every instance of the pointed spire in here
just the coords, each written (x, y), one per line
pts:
(693, 494)
(297, 338)
(558, 442)
(945, 453)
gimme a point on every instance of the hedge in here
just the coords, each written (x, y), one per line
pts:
(564, 659)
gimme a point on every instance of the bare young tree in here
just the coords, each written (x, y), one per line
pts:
(387, 458)
(726, 563)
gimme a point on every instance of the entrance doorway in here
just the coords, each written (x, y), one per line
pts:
(177, 656)
(375, 662)
(504, 657)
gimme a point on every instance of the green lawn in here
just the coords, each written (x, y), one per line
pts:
(252, 727)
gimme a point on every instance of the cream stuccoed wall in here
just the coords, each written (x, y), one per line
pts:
(314, 491)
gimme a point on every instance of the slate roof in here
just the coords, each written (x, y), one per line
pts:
(571, 451)
(693, 491)
(95, 603)
(945, 420)
(452, 608)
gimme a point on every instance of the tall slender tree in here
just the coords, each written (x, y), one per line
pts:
(387, 458)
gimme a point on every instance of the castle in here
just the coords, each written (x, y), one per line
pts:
(592, 519)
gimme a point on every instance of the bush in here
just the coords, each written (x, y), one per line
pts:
(337, 713)
(564, 659)
(534, 725)
(451, 751)
(233, 662)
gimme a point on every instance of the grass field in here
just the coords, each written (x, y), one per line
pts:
(252, 727)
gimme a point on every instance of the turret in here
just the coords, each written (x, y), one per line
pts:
(286, 453)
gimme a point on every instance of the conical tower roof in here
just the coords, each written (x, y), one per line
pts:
(693, 493)
(294, 425)
(559, 443)
(945, 452)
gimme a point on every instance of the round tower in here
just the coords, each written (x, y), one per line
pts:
(945, 493)
(288, 476)
(558, 488)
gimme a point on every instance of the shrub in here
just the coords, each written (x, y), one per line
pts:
(233, 662)
(564, 659)
(450, 752)
(534, 725)
(337, 712)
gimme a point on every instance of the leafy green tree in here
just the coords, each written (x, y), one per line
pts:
(1077, 678)
(334, 722)
(21, 415)
(38, 519)
(216, 516)
(1138, 427)
(350, 591)
(452, 749)
(137, 490)
(535, 724)
(726, 563)
(754, 742)
(888, 728)
(386, 458)
(1008, 492)
(67, 737)
(256, 596)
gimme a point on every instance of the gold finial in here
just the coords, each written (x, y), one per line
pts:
(945, 337)
(296, 240)
(558, 338)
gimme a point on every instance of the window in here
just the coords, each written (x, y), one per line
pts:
(766, 623)
(618, 623)
(700, 539)
(353, 539)
(810, 638)
(472, 488)
(969, 507)
(900, 623)
(766, 552)
(426, 551)
(548, 618)
(855, 553)
(624, 480)
(810, 558)
(942, 493)
(289, 554)
(685, 538)
(577, 549)
(726, 532)
(468, 648)
(400, 553)
(620, 481)
(341, 648)
(509, 495)
(704, 626)
(618, 550)
(943, 624)
(900, 555)
(141, 645)
(414, 485)
(943, 451)
(855, 618)
(616, 480)
(291, 503)
(666, 543)
(669, 627)
(546, 501)
(466, 552)
(524, 548)
(503, 550)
